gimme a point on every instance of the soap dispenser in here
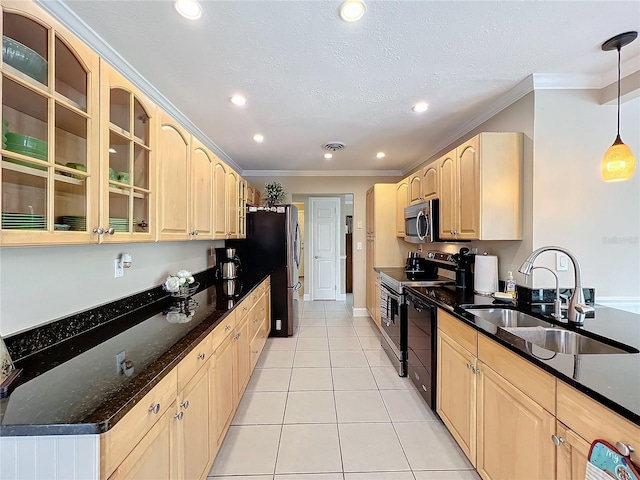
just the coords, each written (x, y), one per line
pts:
(510, 285)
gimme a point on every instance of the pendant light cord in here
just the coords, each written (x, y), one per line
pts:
(619, 48)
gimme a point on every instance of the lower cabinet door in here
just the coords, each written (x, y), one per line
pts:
(193, 427)
(456, 393)
(243, 356)
(514, 432)
(224, 385)
(154, 457)
(572, 453)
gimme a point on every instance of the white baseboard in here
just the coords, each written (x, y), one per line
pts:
(360, 312)
(306, 297)
(341, 297)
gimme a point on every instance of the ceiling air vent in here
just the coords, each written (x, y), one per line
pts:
(334, 146)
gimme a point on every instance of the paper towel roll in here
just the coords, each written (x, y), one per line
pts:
(485, 278)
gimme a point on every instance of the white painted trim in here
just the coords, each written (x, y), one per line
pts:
(51, 457)
(360, 312)
(321, 173)
(306, 297)
(84, 32)
(341, 297)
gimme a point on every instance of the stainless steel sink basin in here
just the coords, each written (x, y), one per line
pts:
(504, 317)
(566, 341)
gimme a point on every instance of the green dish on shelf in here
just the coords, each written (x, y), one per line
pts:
(113, 175)
(29, 143)
(24, 59)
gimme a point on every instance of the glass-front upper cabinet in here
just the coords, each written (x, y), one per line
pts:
(49, 170)
(128, 166)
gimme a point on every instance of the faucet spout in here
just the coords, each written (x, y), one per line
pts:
(577, 307)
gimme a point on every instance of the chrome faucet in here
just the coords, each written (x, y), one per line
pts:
(577, 306)
(557, 304)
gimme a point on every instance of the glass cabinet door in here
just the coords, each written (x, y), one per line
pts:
(127, 212)
(49, 180)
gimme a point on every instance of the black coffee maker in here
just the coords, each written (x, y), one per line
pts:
(417, 268)
(464, 262)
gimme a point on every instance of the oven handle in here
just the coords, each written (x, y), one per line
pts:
(391, 293)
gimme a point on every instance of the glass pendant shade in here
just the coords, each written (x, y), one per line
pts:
(618, 162)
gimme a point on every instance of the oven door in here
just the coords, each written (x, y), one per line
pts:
(394, 327)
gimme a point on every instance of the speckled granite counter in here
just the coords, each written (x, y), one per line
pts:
(613, 380)
(72, 387)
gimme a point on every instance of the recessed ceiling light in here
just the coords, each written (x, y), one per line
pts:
(380, 155)
(189, 9)
(258, 138)
(420, 107)
(328, 156)
(352, 10)
(238, 100)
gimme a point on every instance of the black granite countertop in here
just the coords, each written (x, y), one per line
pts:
(73, 387)
(613, 380)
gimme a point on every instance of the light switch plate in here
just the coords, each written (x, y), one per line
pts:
(359, 224)
(119, 271)
(562, 262)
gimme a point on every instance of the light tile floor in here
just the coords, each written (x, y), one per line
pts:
(326, 404)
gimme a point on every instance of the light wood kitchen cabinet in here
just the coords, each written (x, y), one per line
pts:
(242, 356)
(402, 202)
(415, 188)
(456, 394)
(174, 146)
(481, 188)
(224, 386)
(232, 204)
(58, 182)
(220, 171)
(128, 160)
(242, 208)
(571, 455)
(514, 432)
(384, 248)
(202, 197)
(192, 451)
(430, 182)
(154, 457)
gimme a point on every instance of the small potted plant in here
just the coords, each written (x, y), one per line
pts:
(274, 193)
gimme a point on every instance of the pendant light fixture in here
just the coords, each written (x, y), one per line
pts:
(618, 162)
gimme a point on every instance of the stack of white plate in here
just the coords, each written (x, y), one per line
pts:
(119, 224)
(76, 223)
(23, 221)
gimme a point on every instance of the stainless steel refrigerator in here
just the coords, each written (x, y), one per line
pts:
(273, 244)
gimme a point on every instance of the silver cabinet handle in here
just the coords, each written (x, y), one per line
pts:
(179, 416)
(557, 441)
(185, 404)
(228, 327)
(469, 366)
(201, 356)
(154, 408)
(624, 449)
(98, 230)
(110, 231)
(195, 232)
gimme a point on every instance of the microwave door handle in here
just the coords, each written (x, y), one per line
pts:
(420, 213)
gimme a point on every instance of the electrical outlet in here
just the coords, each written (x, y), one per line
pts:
(359, 224)
(119, 271)
(359, 246)
(120, 358)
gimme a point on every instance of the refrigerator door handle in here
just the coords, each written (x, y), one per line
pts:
(297, 287)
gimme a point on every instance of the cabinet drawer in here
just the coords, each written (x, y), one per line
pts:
(244, 306)
(223, 330)
(119, 441)
(591, 420)
(255, 318)
(257, 344)
(461, 333)
(195, 359)
(531, 380)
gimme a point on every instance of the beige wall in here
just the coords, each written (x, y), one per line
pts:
(335, 185)
(41, 284)
(573, 207)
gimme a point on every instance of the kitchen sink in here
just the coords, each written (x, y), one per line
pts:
(504, 317)
(566, 341)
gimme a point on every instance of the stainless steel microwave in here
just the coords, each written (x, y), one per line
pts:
(421, 222)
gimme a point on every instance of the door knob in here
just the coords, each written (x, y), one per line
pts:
(316, 257)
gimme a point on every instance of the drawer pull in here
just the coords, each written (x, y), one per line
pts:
(179, 416)
(185, 404)
(557, 441)
(228, 327)
(624, 449)
(201, 356)
(475, 371)
(154, 408)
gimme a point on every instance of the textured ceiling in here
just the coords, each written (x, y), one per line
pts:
(311, 78)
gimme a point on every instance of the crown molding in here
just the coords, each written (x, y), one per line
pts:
(84, 32)
(566, 81)
(321, 173)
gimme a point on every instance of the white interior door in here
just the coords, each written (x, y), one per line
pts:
(324, 245)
